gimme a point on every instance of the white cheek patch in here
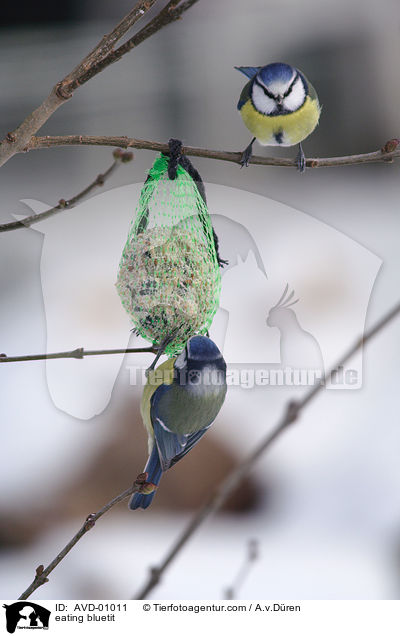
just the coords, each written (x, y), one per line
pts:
(296, 97)
(261, 101)
(180, 362)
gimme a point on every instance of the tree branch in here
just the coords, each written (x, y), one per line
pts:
(252, 555)
(78, 354)
(104, 47)
(387, 153)
(42, 573)
(96, 61)
(170, 13)
(229, 485)
(120, 156)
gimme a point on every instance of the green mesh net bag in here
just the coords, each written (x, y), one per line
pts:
(169, 279)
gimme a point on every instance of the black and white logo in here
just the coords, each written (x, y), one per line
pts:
(26, 615)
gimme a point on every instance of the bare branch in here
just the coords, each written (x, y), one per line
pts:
(42, 573)
(184, 6)
(252, 554)
(387, 153)
(78, 354)
(120, 156)
(229, 485)
(97, 60)
(105, 46)
(170, 13)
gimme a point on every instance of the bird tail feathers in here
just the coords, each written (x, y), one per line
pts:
(153, 468)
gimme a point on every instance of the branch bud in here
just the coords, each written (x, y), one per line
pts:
(90, 521)
(390, 146)
(122, 155)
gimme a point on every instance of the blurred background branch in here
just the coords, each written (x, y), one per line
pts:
(251, 556)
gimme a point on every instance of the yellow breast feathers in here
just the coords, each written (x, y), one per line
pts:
(163, 374)
(282, 130)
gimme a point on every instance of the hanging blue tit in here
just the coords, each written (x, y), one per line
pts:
(279, 106)
(180, 401)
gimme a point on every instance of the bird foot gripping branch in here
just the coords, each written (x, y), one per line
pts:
(144, 487)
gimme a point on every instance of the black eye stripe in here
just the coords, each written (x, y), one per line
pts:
(289, 90)
(266, 91)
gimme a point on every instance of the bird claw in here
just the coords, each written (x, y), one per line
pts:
(244, 159)
(300, 160)
(246, 154)
(160, 350)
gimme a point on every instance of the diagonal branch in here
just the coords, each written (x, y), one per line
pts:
(97, 60)
(42, 573)
(170, 13)
(251, 557)
(228, 486)
(120, 156)
(387, 153)
(105, 46)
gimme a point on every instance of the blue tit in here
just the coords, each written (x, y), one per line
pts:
(181, 399)
(279, 106)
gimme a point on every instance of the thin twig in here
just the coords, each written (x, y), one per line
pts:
(170, 13)
(387, 153)
(251, 557)
(120, 156)
(104, 47)
(42, 573)
(228, 486)
(96, 61)
(78, 354)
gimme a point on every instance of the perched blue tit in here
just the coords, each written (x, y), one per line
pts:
(279, 106)
(180, 401)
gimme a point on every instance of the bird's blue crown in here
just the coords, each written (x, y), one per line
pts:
(275, 71)
(202, 348)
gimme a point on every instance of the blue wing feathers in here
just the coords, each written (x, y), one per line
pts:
(167, 451)
(244, 95)
(249, 71)
(191, 441)
(172, 447)
(169, 444)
